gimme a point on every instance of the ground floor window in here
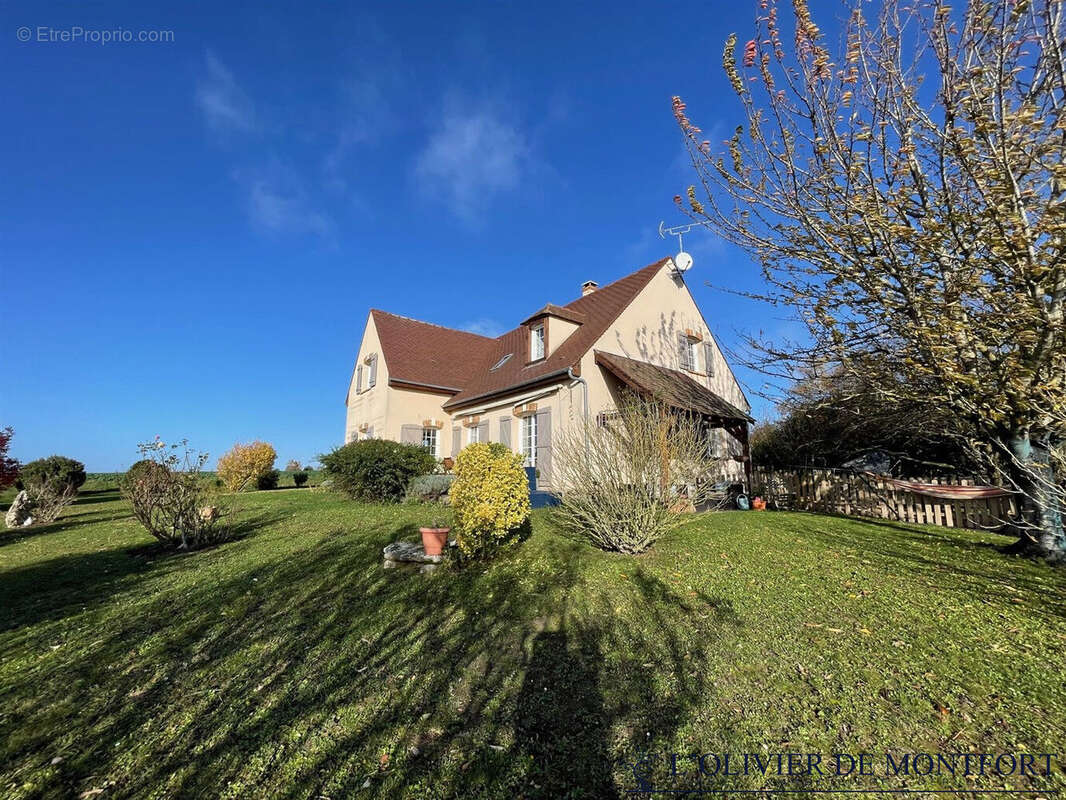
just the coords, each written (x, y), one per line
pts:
(528, 440)
(429, 440)
(475, 434)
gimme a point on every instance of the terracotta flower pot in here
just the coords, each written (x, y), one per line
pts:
(758, 504)
(434, 539)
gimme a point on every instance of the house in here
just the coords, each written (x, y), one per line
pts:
(441, 388)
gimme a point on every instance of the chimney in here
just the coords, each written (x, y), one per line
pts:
(588, 287)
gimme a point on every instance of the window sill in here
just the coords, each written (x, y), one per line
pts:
(535, 361)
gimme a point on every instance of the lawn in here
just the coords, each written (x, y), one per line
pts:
(289, 664)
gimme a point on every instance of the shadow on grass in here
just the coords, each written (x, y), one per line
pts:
(97, 496)
(320, 674)
(953, 563)
(67, 522)
(53, 589)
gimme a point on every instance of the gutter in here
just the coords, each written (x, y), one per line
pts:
(509, 401)
(584, 385)
(421, 385)
(547, 378)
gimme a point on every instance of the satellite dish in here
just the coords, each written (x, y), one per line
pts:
(683, 261)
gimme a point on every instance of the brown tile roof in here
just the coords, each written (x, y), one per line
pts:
(597, 309)
(428, 355)
(669, 385)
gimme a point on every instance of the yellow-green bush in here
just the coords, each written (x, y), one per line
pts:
(245, 464)
(490, 498)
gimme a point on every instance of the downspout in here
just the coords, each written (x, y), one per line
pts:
(570, 374)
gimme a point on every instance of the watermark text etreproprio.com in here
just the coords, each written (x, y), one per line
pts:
(77, 34)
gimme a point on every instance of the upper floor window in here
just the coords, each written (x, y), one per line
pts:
(359, 379)
(536, 342)
(686, 352)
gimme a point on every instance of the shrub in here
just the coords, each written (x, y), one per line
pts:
(633, 479)
(168, 498)
(9, 467)
(429, 488)
(268, 480)
(245, 464)
(299, 478)
(376, 470)
(490, 498)
(52, 484)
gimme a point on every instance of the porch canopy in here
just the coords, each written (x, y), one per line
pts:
(680, 391)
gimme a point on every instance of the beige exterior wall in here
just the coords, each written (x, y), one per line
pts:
(558, 331)
(647, 330)
(370, 406)
(384, 409)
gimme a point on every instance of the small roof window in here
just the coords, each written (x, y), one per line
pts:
(501, 362)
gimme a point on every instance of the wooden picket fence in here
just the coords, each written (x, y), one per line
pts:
(837, 491)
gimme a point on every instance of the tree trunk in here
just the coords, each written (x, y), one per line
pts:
(1041, 499)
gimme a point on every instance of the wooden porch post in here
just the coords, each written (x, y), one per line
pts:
(746, 453)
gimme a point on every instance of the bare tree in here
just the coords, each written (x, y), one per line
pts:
(167, 496)
(631, 477)
(907, 199)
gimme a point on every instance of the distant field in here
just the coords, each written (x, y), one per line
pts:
(101, 481)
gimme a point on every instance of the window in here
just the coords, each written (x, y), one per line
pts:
(687, 352)
(606, 418)
(429, 440)
(359, 379)
(501, 362)
(536, 342)
(475, 434)
(528, 442)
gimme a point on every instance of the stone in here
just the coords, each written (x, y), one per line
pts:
(409, 552)
(19, 512)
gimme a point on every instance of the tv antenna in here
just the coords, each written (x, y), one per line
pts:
(683, 261)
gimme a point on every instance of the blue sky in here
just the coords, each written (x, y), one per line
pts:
(192, 232)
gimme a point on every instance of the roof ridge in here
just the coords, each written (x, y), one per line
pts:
(570, 350)
(431, 324)
(657, 264)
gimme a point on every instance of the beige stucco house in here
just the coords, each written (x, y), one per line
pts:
(443, 389)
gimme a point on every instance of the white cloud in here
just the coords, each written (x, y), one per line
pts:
(225, 106)
(362, 118)
(484, 326)
(278, 202)
(472, 156)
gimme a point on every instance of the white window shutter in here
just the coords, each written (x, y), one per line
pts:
(708, 359)
(373, 373)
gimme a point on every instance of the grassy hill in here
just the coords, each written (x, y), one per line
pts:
(289, 664)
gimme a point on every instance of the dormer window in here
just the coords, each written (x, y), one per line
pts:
(536, 342)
